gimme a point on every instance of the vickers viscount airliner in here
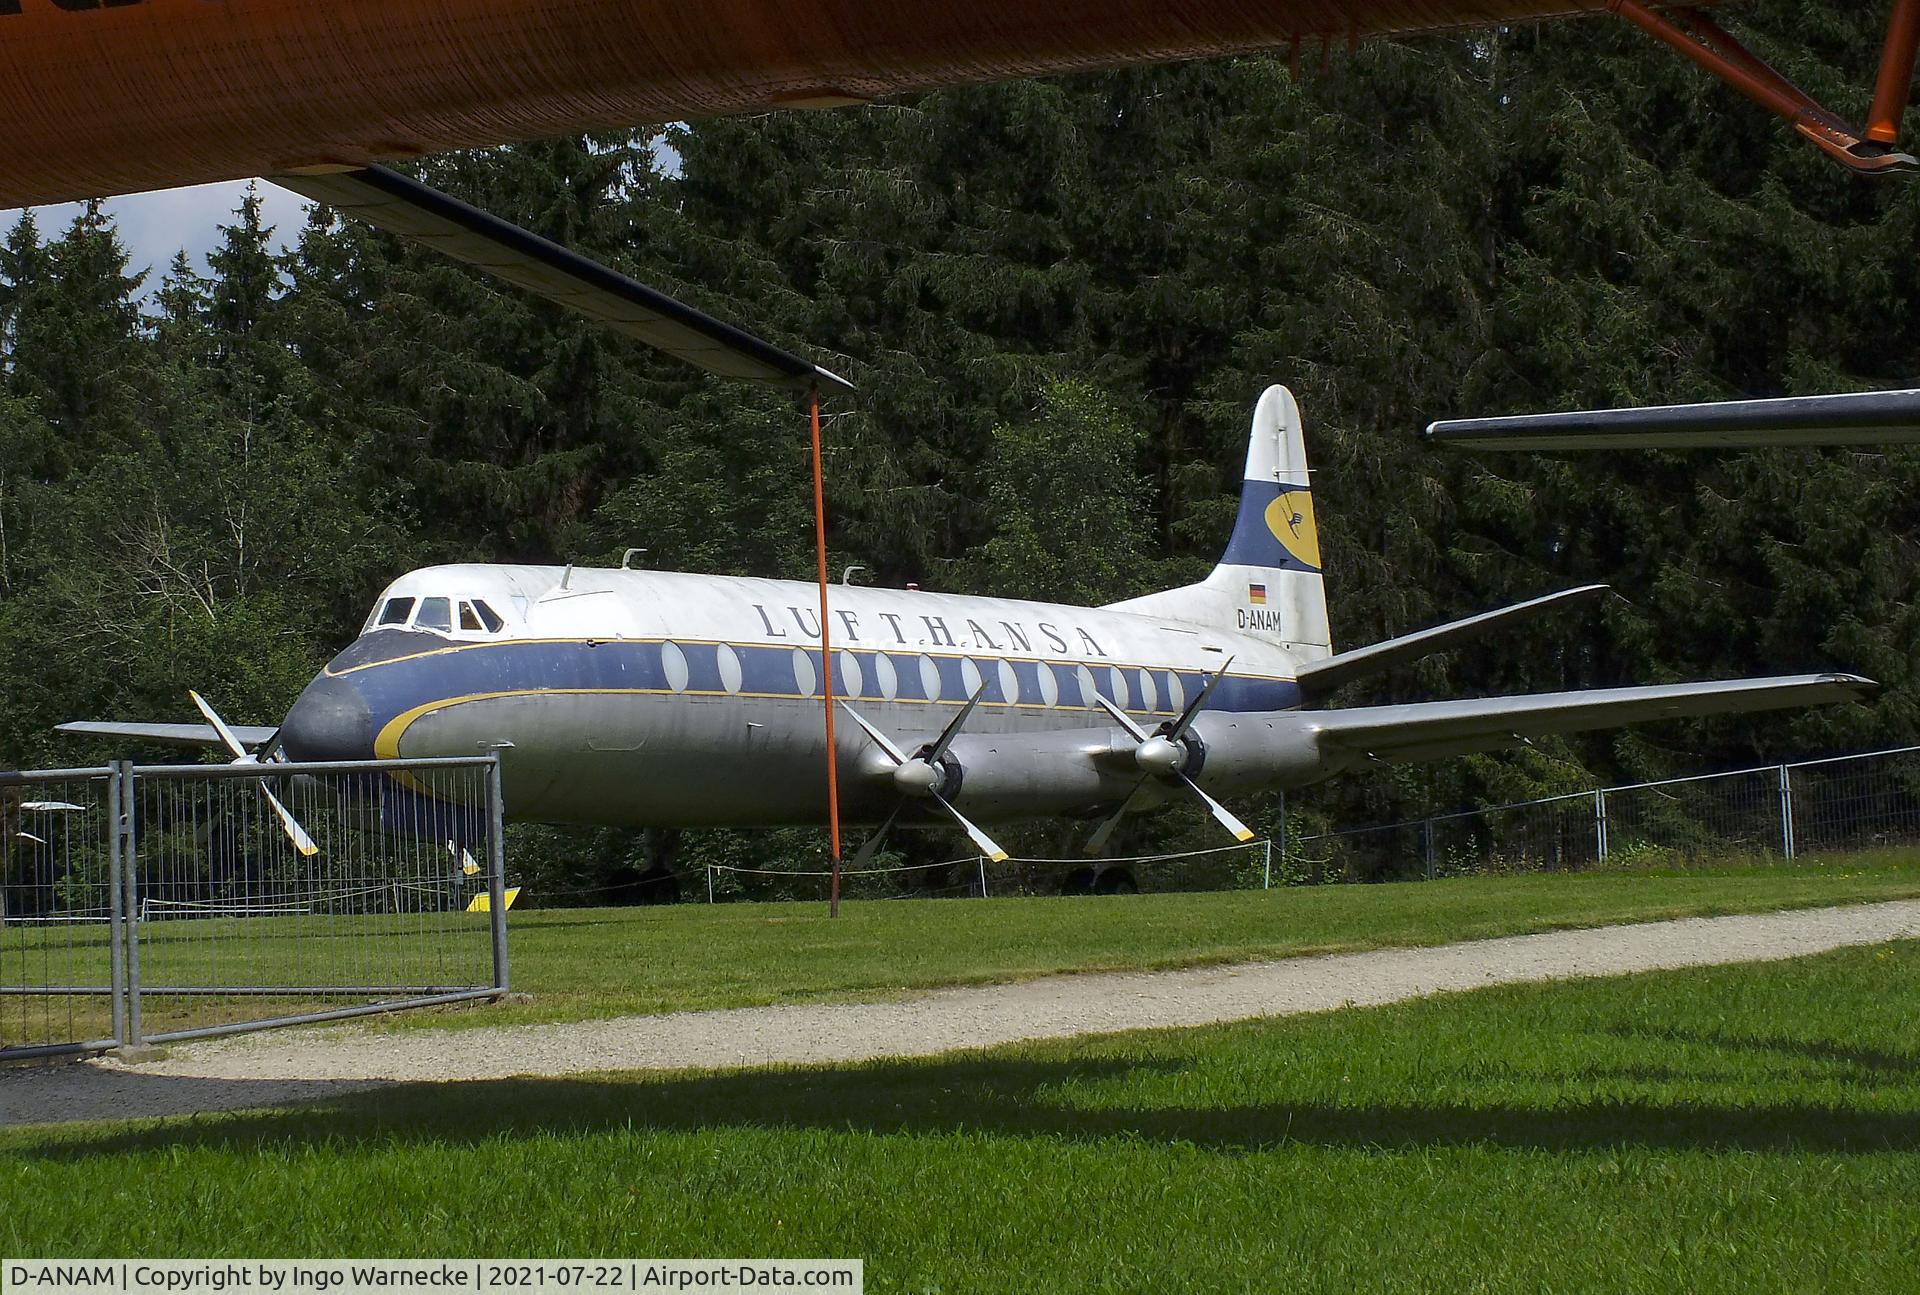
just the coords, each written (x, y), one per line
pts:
(648, 698)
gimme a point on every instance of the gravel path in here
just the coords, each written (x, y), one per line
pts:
(283, 1066)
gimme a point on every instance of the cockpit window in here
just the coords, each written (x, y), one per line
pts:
(469, 619)
(396, 611)
(435, 614)
(488, 617)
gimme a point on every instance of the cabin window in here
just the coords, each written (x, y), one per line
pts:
(396, 611)
(435, 614)
(846, 675)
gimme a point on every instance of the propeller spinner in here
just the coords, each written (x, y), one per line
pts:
(1163, 756)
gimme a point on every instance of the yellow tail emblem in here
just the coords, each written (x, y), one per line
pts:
(1290, 518)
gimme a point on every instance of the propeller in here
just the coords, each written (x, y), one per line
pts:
(291, 825)
(1164, 755)
(43, 807)
(921, 776)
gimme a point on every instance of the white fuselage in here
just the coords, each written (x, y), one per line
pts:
(654, 698)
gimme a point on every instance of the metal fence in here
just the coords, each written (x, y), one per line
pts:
(1230, 867)
(143, 904)
(1845, 803)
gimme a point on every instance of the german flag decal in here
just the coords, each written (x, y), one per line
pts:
(1257, 595)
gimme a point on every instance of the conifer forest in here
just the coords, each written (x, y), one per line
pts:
(1059, 300)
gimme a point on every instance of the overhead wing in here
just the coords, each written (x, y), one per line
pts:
(1864, 418)
(1322, 677)
(196, 735)
(1430, 730)
(404, 206)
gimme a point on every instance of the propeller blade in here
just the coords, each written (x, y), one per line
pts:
(232, 743)
(1098, 841)
(871, 846)
(879, 739)
(952, 730)
(28, 836)
(269, 750)
(468, 864)
(295, 833)
(1221, 813)
(988, 846)
(1179, 728)
(1126, 720)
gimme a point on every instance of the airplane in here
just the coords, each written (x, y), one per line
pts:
(103, 97)
(648, 698)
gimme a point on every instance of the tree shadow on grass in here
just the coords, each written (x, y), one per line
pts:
(1887, 1065)
(1009, 1098)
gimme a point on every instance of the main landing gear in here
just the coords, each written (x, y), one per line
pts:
(1107, 881)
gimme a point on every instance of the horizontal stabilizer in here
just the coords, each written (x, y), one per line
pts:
(1431, 730)
(1324, 676)
(401, 205)
(1863, 418)
(196, 735)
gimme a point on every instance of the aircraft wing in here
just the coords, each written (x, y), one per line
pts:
(194, 735)
(1857, 418)
(1324, 676)
(1431, 730)
(402, 205)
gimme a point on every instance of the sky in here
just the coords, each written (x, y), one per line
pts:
(153, 226)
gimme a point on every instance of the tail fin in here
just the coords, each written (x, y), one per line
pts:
(1268, 582)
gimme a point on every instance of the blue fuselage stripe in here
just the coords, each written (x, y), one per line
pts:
(412, 678)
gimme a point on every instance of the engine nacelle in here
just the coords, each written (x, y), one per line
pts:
(1262, 751)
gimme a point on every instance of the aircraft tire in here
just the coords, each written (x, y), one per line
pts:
(1078, 882)
(1115, 881)
(658, 886)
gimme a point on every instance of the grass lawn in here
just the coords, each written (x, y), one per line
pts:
(581, 963)
(1733, 1129)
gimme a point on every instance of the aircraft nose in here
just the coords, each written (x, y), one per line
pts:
(330, 721)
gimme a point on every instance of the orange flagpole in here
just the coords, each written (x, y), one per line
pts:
(826, 659)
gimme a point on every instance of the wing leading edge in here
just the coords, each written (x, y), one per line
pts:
(401, 205)
(1853, 418)
(190, 735)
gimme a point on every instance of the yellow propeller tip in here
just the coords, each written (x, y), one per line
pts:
(999, 858)
(309, 850)
(1245, 836)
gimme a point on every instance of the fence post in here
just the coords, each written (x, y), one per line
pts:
(709, 869)
(1786, 811)
(981, 859)
(1600, 822)
(497, 872)
(127, 832)
(117, 905)
(1429, 836)
(1267, 883)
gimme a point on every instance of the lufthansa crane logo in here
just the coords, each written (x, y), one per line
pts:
(1290, 518)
